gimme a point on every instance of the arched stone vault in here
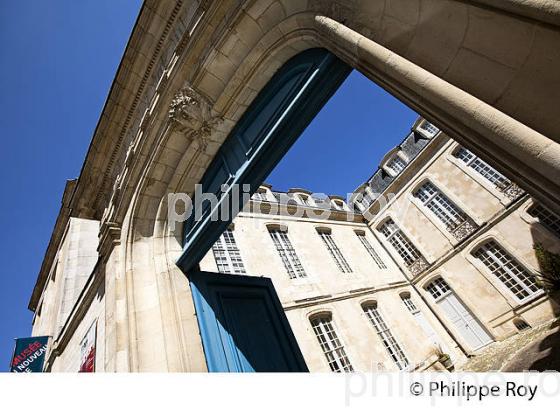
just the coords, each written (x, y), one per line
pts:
(498, 97)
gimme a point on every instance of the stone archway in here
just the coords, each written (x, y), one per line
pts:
(227, 62)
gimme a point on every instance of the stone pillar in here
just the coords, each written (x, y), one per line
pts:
(529, 157)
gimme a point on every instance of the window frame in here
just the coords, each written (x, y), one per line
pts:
(396, 157)
(285, 250)
(500, 284)
(380, 225)
(339, 353)
(386, 336)
(334, 250)
(475, 176)
(371, 250)
(226, 249)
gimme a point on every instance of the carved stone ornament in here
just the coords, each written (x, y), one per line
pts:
(465, 229)
(191, 114)
(418, 266)
(512, 190)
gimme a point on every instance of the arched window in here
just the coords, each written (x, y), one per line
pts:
(521, 325)
(518, 279)
(459, 316)
(395, 164)
(546, 217)
(330, 343)
(305, 199)
(286, 252)
(393, 348)
(420, 319)
(260, 195)
(428, 128)
(338, 204)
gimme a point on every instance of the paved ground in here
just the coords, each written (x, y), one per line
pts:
(533, 349)
(541, 355)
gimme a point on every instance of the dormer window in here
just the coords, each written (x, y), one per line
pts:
(395, 165)
(305, 200)
(338, 204)
(429, 128)
(260, 195)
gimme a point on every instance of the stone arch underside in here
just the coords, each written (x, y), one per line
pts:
(156, 327)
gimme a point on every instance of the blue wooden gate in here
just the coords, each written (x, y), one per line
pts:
(265, 132)
(243, 325)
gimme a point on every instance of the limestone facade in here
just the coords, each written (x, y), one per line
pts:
(342, 264)
(497, 98)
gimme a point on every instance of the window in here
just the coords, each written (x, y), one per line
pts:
(305, 200)
(227, 255)
(441, 206)
(335, 252)
(546, 218)
(339, 205)
(287, 253)
(371, 251)
(429, 128)
(510, 272)
(409, 304)
(384, 333)
(521, 325)
(330, 343)
(438, 288)
(260, 195)
(396, 164)
(366, 200)
(421, 320)
(481, 167)
(400, 242)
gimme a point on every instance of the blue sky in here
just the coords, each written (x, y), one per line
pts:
(57, 61)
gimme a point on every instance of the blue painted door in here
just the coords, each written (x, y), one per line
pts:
(265, 132)
(243, 325)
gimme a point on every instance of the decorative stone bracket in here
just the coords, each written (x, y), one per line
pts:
(191, 115)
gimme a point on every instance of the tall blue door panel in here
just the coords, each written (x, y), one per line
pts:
(265, 132)
(243, 325)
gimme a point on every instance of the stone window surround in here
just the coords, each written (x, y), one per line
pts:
(325, 313)
(396, 153)
(424, 132)
(535, 222)
(271, 227)
(496, 283)
(226, 251)
(428, 177)
(381, 264)
(339, 204)
(483, 182)
(334, 249)
(372, 303)
(389, 215)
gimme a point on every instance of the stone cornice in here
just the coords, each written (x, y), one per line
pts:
(138, 83)
(134, 76)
